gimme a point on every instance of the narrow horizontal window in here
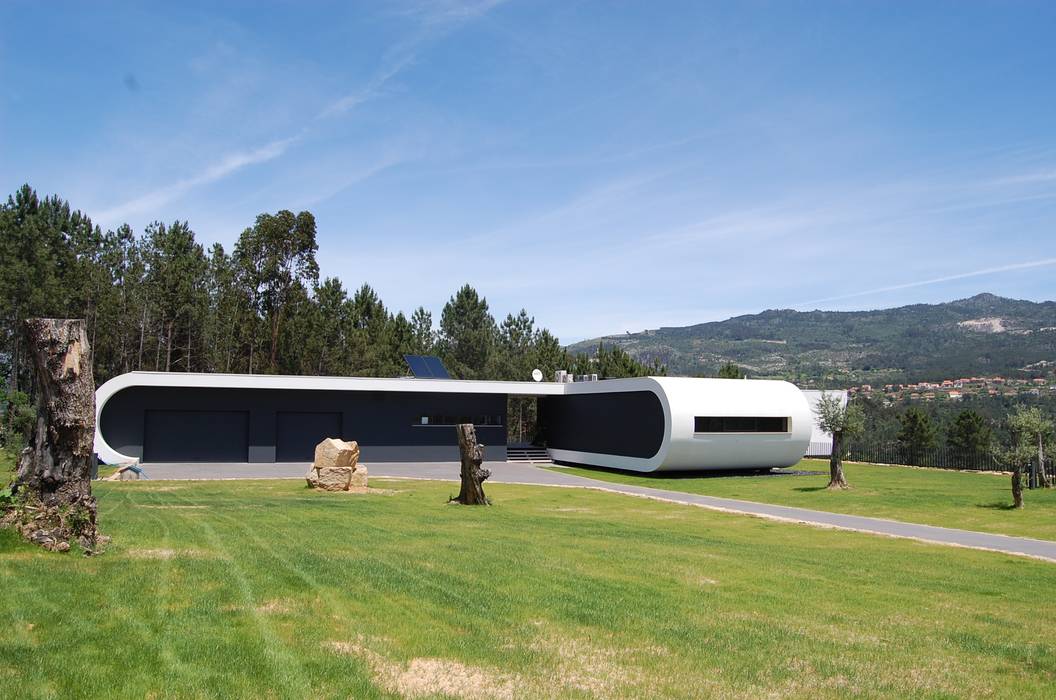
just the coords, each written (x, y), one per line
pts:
(740, 424)
(448, 421)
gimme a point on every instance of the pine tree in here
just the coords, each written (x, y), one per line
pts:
(176, 274)
(424, 338)
(968, 437)
(917, 434)
(547, 354)
(512, 356)
(272, 256)
(379, 356)
(49, 267)
(330, 340)
(467, 334)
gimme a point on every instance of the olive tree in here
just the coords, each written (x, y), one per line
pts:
(841, 421)
(1032, 427)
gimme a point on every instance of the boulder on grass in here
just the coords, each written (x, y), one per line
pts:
(332, 478)
(338, 478)
(332, 452)
(336, 467)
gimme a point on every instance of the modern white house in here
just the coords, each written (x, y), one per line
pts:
(646, 424)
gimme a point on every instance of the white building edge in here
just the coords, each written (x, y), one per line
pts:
(646, 424)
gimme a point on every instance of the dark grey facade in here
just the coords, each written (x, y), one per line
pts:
(185, 424)
(623, 423)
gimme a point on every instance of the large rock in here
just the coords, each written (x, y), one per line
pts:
(333, 478)
(332, 452)
(336, 467)
(338, 478)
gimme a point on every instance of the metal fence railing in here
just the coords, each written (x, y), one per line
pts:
(819, 450)
(937, 457)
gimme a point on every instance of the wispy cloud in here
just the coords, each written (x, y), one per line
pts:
(1040, 176)
(369, 91)
(334, 186)
(434, 19)
(447, 12)
(936, 280)
(228, 165)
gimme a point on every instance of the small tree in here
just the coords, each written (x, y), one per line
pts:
(841, 421)
(1032, 427)
(1013, 459)
(729, 370)
(1018, 452)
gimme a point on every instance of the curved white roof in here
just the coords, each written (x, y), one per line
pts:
(682, 399)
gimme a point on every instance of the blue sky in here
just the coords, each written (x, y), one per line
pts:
(610, 166)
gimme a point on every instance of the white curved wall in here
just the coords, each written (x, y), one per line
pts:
(265, 381)
(689, 398)
(683, 399)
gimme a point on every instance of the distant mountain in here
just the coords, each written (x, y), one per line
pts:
(985, 334)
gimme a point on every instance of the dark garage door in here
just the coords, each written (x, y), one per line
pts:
(196, 436)
(297, 434)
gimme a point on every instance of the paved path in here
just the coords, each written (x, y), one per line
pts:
(503, 472)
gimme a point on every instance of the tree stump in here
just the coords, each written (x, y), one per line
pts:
(473, 475)
(53, 488)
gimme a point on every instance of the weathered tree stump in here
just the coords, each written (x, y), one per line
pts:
(473, 475)
(53, 489)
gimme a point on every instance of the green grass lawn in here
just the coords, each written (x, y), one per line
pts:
(969, 501)
(266, 589)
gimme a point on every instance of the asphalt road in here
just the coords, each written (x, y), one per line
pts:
(503, 472)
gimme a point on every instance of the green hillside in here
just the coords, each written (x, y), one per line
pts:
(982, 335)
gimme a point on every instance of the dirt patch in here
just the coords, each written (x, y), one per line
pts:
(591, 664)
(424, 677)
(273, 607)
(585, 664)
(165, 553)
(173, 507)
(936, 676)
(19, 556)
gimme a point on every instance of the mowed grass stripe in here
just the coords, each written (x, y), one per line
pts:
(567, 592)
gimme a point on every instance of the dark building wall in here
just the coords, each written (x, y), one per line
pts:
(624, 423)
(195, 424)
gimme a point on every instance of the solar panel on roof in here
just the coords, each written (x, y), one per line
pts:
(418, 366)
(436, 366)
(427, 367)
